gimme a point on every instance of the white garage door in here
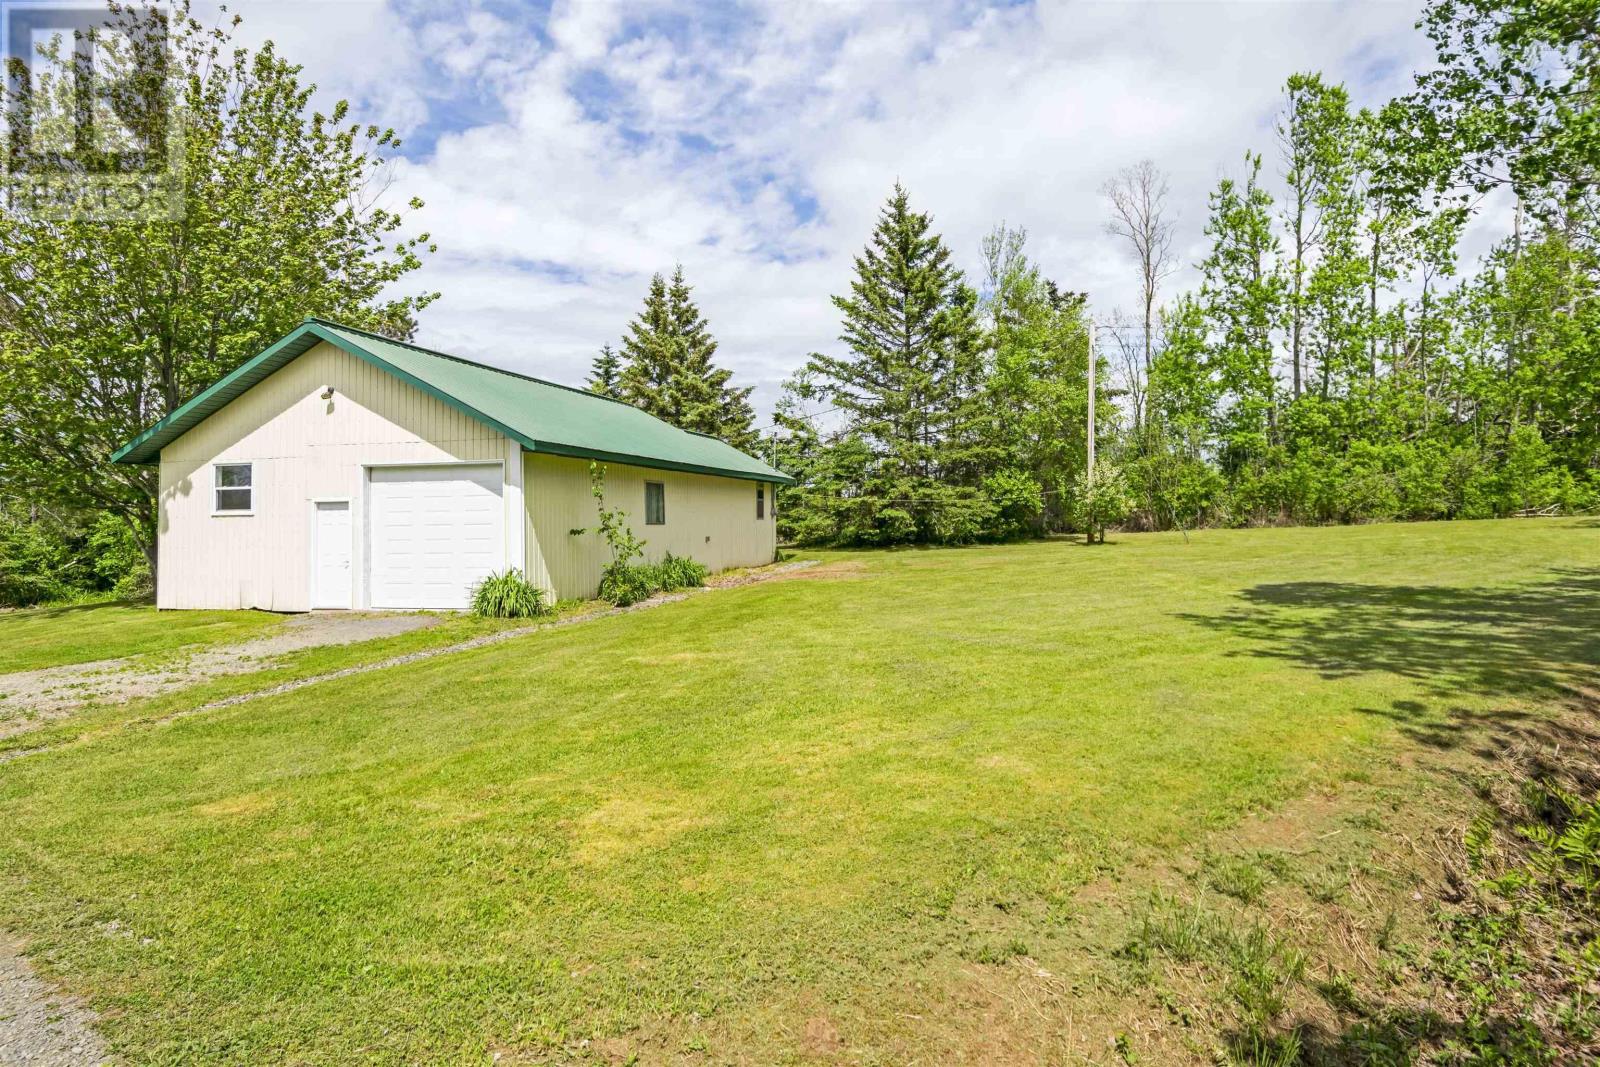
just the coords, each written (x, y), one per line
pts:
(435, 531)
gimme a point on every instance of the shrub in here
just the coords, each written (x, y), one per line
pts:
(624, 583)
(119, 564)
(508, 595)
(34, 565)
(50, 556)
(1018, 502)
(679, 572)
(1100, 502)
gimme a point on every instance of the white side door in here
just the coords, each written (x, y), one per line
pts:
(332, 546)
(436, 531)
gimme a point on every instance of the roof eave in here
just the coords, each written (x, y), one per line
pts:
(140, 451)
(650, 462)
(146, 447)
(132, 454)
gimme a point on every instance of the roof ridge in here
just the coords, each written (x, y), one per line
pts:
(319, 320)
(573, 429)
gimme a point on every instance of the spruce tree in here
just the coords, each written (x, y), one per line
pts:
(604, 373)
(668, 370)
(910, 384)
(649, 354)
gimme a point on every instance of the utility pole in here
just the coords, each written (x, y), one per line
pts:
(1089, 472)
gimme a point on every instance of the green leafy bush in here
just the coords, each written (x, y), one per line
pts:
(508, 595)
(1100, 501)
(623, 583)
(119, 564)
(678, 572)
(1018, 501)
(48, 555)
(34, 565)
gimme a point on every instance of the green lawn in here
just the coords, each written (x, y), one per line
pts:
(696, 829)
(83, 633)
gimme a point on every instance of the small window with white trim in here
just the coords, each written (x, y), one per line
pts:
(761, 502)
(655, 504)
(234, 492)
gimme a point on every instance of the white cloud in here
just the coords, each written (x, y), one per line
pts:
(607, 140)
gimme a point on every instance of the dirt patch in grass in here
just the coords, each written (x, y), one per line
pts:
(845, 568)
(242, 806)
(635, 820)
(732, 579)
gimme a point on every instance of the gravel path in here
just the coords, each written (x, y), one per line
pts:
(28, 698)
(763, 574)
(40, 1028)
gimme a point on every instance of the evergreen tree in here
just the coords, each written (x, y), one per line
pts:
(668, 370)
(605, 372)
(909, 385)
(651, 354)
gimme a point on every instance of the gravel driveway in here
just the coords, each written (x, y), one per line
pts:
(38, 1026)
(28, 698)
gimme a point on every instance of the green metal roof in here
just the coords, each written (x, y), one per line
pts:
(541, 415)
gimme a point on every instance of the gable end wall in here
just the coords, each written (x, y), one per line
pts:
(303, 448)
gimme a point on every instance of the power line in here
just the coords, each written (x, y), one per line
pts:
(807, 418)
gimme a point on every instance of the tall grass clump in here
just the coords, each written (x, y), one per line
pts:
(628, 583)
(508, 595)
(1521, 951)
(678, 572)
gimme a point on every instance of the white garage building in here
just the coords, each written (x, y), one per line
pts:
(341, 469)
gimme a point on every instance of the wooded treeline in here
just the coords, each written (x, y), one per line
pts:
(1335, 364)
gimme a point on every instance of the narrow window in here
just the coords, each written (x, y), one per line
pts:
(233, 487)
(761, 502)
(655, 504)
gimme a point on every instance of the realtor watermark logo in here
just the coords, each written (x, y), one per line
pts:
(92, 130)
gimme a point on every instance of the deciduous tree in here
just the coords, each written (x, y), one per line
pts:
(107, 325)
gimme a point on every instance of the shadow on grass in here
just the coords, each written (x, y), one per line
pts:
(1534, 644)
(58, 611)
(1535, 641)
(1378, 1036)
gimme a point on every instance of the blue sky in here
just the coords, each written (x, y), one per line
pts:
(567, 150)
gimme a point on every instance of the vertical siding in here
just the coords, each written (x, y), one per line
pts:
(710, 519)
(302, 448)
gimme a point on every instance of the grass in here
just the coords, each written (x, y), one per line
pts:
(82, 633)
(810, 818)
(96, 721)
